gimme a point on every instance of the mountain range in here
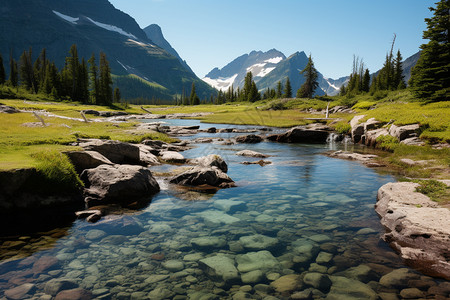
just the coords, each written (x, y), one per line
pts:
(142, 67)
(268, 68)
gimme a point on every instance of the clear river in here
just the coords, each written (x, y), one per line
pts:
(302, 227)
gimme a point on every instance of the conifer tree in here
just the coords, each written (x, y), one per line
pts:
(93, 79)
(279, 90)
(83, 82)
(13, 72)
(2, 71)
(288, 89)
(399, 78)
(430, 78)
(311, 75)
(117, 96)
(194, 99)
(105, 81)
(26, 71)
(247, 86)
(365, 86)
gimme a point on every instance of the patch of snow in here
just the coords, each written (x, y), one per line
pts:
(265, 71)
(112, 28)
(274, 60)
(66, 17)
(255, 66)
(332, 85)
(221, 83)
(126, 69)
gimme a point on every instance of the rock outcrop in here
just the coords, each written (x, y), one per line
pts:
(83, 160)
(211, 160)
(8, 109)
(303, 135)
(121, 184)
(415, 227)
(249, 139)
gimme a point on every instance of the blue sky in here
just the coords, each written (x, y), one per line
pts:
(211, 33)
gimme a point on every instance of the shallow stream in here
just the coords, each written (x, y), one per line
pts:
(281, 229)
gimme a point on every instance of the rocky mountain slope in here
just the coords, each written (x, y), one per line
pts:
(95, 25)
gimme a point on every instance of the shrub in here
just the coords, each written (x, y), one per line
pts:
(434, 189)
(343, 128)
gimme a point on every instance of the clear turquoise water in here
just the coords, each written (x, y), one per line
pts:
(303, 197)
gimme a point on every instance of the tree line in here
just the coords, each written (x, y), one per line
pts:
(78, 80)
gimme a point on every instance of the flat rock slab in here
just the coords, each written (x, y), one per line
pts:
(115, 151)
(199, 175)
(416, 227)
(251, 153)
(220, 268)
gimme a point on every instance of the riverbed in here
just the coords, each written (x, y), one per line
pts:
(302, 226)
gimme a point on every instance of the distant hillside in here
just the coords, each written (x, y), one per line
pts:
(95, 26)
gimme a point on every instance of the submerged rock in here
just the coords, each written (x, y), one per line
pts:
(288, 283)
(345, 288)
(251, 153)
(259, 242)
(249, 139)
(220, 268)
(261, 260)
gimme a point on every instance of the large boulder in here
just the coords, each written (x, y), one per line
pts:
(83, 160)
(172, 157)
(415, 227)
(115, 151)
(199, 175)
(302, 135)
(261, 260)
(211, 160)
(147, 156)
(118, 184)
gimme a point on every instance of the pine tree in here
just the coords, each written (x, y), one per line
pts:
(279, 90)
(13, 72)
(2, 71)
(72, 74)
(430, 78)
(83, 82)
(399, 78)
(311, 75)
(105, 81)
(194, 99)
(247, 86)
(365, 86)
(117, 95)
(288, 89)
(26, 73)
(93, 79)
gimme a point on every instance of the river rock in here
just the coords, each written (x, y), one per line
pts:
(361, 273)
(416, 227)
(305, 251)
(211, 160)
(220, 268)
(83, 160)
(251, 153)
(287, 283)
(398, 278)
(146, 155)
(54, 286)
(217, 217)
(252, 276)
(115, 151)
(74, 294)
(259, 242)
(20, 291)
(196, 176)
(324, 258)
(303, 135)
(95, 234)
(230, 206)
(118, 184)
(261, 260)
(349, 289)
(208, 243)
(160, 293)
(173, 265)
(412, 293)
(319, 281)
(249, 139)
(45, 264)
(172, 157)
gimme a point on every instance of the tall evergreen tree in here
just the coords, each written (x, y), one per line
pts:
(83, 82)
(117, 96)
(365, 86)
(430, 78)
(26, 72)
(2, 71)
(279, 90)
(93, 79)
(247, 86)
(311, 75)
(13, 72)
(288, 89)
(399, 78)
(194, 99)
(105, 81)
